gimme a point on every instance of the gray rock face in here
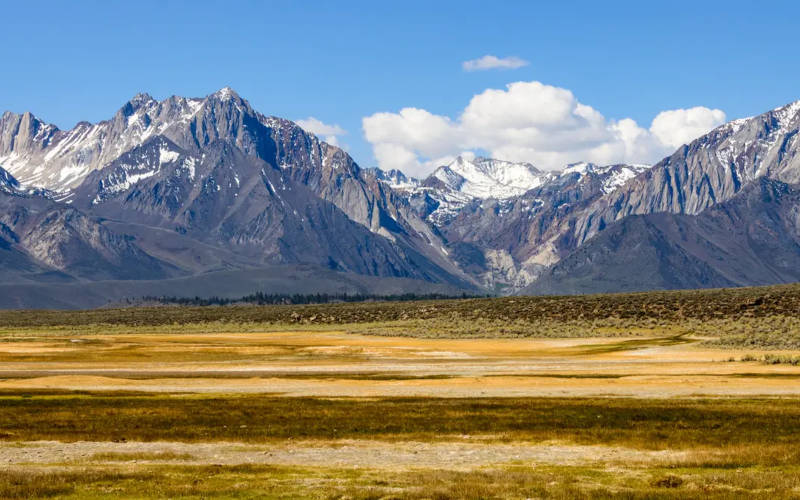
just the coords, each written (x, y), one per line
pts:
(751, 239)
(710, 170)
(241, 204)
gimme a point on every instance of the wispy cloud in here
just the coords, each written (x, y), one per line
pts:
(493, 62)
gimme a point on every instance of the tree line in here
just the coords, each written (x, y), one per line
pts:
(261, 298)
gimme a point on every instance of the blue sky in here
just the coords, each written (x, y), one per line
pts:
(342, 61)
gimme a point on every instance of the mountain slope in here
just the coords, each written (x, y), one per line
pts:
(505, 241)
(709, 170)
(42, 240)
(240, 203)
(751, 239)
(218, 172)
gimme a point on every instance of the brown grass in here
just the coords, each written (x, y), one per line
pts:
(655, 424)
(250, 481)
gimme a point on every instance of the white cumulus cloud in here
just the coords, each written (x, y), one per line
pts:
(399, 138)
(529, 121)
(493, 62)
(328, 133)
(679, 126)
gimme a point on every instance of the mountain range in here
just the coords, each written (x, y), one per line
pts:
(207, 196)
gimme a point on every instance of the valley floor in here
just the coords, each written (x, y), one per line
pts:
(254, 411)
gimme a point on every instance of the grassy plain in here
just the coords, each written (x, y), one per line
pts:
(661, 395)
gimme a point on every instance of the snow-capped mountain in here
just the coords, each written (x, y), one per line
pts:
(489, 178)
(231, 187)
(183, 187)
(41, 155)
(508, 242)
(442, 194)
(452, 187)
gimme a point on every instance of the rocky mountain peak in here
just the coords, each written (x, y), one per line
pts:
(226, 93)
(140, 103)
(142, 98)
(228, 98)
(788, 114)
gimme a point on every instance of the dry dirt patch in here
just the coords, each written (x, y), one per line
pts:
(341, 453)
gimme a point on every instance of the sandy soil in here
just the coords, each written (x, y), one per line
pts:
(338, 364)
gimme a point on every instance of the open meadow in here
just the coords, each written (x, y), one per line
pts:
(660, 395)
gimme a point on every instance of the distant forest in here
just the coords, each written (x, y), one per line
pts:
(260, 298)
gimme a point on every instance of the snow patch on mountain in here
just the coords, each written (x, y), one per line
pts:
(622, 175)
(613, 176)
(488, 178)
(787, 114)
(580, 168)
(395, 179)
(141, 164)
(11, 161)
(166, 155)
(60, 160)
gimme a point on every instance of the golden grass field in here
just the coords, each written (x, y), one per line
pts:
(494, 398)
